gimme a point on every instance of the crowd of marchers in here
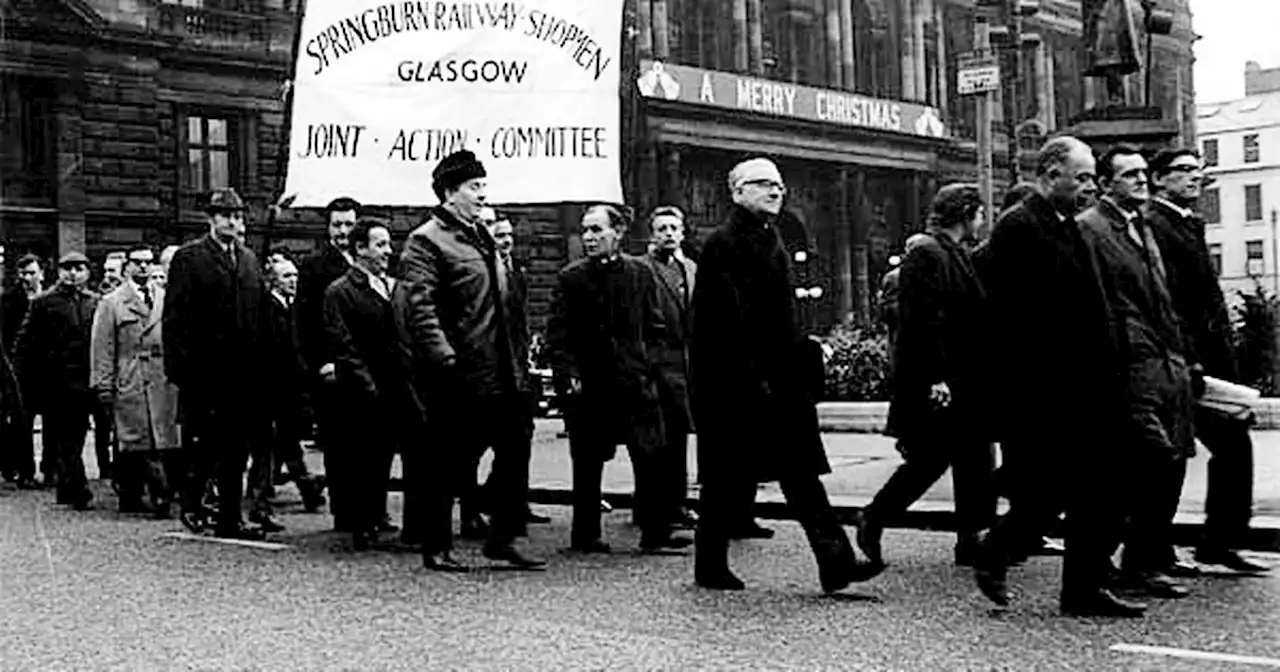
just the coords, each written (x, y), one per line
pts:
(1075, 334)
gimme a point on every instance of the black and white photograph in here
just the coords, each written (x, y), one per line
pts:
(884, 335)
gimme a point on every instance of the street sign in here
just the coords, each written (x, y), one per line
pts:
(977, 73)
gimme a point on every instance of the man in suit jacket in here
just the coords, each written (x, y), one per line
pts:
(371, 386)
(316, 272)
(463, 352)
(939, 395)
(676, 275)
(213, 353)
(603, 336)
(51, 356)
(1197, 297)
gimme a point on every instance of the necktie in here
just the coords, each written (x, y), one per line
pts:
(146, 295)
(231, 255)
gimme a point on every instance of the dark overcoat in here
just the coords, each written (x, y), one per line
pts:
(676, 282)
(1153, 353)
(315, 273)
(943, 338)
(1193, 284)
(51, 353)
(13, 309)
(605, 330)
(1053, 346)
(752, 403)
(286, 372)
(213, 350)
(360, 335)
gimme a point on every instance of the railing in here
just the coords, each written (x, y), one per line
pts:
(212, 25)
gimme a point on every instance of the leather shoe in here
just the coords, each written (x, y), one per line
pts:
(512, 557)
(992, 582)
(1231, 560)
(243, 533)
(838, 577)
(1154, 584)
(724, 580)
(266, 522)
(686, 520)
(386, 526)
(868, 538)
(444, 562)
(594, 547)
(1101, 602)
(663, 543)
(1182, 570)
(1050, 547)
(195, 521)
(752, 530)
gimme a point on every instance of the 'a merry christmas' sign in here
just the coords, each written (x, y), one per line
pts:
(383, 92)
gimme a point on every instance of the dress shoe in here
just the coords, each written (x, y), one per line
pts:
(536, 518)
(663, 543)
(195, 521)
(240, 532)
(869, 533)
(266, 522)
(444, 562)
(837, 576)
(385, 526)
(685, 520)
(591, 547)
(752, 530)
(1153, 584)
(1101, 602)
(28, 483)
(724, 580)
(993, 582)
(1182, 570)
(1049, 547)
(1231, 560)
(508, 554)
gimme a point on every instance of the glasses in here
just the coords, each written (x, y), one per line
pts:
(767, 184)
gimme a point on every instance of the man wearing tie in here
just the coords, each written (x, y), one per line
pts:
(126, 372)
(371, 387)
(213, 353)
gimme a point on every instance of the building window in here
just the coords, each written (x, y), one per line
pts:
(27, 142)
(209, 153)
(1210, 208)
(1253, 258)
(1210, 153)
(1253, 202)
(1215, 258)
(1251, 152)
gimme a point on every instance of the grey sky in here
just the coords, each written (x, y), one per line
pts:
(1233, 31)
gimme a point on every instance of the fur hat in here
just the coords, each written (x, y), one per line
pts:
(455, 170)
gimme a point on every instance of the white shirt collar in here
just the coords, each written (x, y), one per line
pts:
(1182, 212)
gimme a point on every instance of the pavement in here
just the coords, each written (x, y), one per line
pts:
(99, 590)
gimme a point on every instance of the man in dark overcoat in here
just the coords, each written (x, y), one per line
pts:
(213, 352)
(462, 356)
(938, 412)
(756, 417)
(17, 454)
(1058, 396)
(1156, 362)
(371, 387)
(676, 274)
(1197, 297)
(51, 356)
(315, 273)
(602, 339)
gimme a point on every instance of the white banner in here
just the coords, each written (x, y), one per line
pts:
(384, 91)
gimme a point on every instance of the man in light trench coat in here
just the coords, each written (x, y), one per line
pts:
(126, 372)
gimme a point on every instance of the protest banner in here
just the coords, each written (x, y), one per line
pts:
(383, 92)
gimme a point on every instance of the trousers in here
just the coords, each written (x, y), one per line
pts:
(220, 444)
(66, 422)
(972, 465)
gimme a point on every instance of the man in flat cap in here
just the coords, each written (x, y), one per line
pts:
(453, 307)
(51, 356)
(213, 353)
(755, 416)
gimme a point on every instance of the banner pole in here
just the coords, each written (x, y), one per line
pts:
(286, 129)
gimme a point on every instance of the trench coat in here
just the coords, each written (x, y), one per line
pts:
(1154, 353)
(752, 402)
(126, 361)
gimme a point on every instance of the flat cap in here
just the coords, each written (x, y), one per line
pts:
(73, 259)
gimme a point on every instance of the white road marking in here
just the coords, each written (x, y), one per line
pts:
(1197, 655)
(263, 545)
(48, 548)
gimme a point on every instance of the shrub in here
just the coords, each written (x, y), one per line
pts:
(857, 360)
(1255, 339)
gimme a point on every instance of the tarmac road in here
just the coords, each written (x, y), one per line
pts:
(101, 591)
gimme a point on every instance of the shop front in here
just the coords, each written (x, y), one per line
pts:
(858, 171)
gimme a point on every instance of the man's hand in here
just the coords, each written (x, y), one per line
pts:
(940, 395)
(575, 385)
(329, 373)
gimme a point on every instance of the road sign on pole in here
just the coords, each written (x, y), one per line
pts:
(977, 72)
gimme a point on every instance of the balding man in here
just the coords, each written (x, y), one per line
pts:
(1059, 406)
(755, 415)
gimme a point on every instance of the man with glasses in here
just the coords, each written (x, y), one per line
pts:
(756, 419)
(1197, 298)
(1154, 362)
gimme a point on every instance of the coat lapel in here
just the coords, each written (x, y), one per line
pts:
(133, 302)
(667, 273)
(157, 308)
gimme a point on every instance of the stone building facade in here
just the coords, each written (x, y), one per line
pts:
(118, 114)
